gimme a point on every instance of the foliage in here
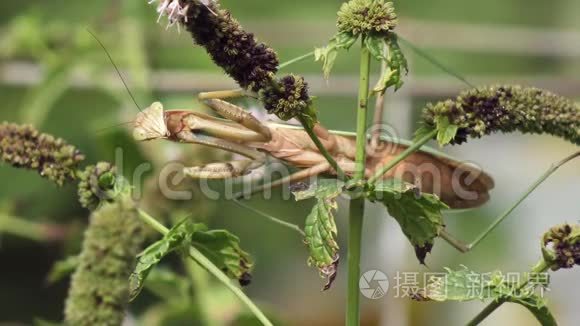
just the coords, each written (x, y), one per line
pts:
(467, 285)
(320, 228)
(219, 246)
(418, 214)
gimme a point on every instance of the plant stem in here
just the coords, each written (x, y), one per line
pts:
(467, 247)
(211, 268)
(533, 187)
(23, 228)
(541, 267)
(295, 60)
(357, 204)
(410, 150)
(198, 277)
(278, 221)
(310, 131)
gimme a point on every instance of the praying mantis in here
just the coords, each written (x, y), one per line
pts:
(238, 131)
(458, 185)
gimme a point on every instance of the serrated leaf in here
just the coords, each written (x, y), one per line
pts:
(62, 269)
(175, 239)
(321, 231)
(320, 228)
(375, 45)
(467, 285)
(344, 40)
(224, 251)
(321, 189)
(328, 53)
(396, 65)
(418, 214)
(445, 130)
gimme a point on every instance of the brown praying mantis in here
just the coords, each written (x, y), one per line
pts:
(241, 133)
(457, 184)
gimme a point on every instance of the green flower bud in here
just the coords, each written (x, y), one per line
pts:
(99, 291)
(367, 16)
(22, 146)
(96, 184)
(561, 246)
(489, 109)
(287, 98)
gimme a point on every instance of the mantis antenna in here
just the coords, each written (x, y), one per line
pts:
(116, 68)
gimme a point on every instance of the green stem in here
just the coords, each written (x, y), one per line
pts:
(533, 187)
(295, 60)
(541, 267)
(467, 247)
(22, 228)
(309, 130)
(355, 225)
(357, 204)
(410, 150)
(361, 120)
(278, 221)
(197, 256)
(198, 277)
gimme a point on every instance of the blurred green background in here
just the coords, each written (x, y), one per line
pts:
(54, 74)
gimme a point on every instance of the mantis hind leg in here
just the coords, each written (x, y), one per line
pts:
(239, 115)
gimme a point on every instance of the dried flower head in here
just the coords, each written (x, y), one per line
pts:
(96, 184)
(286, 98)
(366, 16)
(22, 146)
(561, 246)
(150, 123)
(250, 63)
(485, 110)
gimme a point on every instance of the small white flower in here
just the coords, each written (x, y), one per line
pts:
(174, 11)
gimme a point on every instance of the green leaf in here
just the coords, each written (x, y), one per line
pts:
(328, 53)
(321, 189)
(224, 251)
(344, 40)
(446, 131)
(320, 228)
(375, 45)
(467, 285)
(177, 238)
(328, 56)
(320, 238)
(396, 64)
(418, 214)
(62, 269)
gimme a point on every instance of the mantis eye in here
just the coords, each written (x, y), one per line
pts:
(150, 124)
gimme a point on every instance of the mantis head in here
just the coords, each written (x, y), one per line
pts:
(150, 123)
